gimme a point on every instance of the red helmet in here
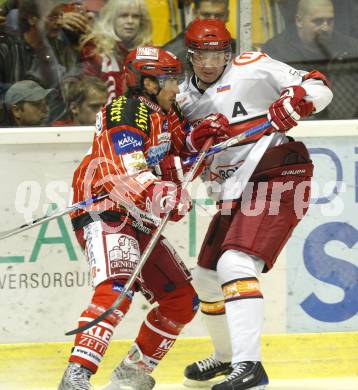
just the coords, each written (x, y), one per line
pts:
(207, 34)
(150, 61)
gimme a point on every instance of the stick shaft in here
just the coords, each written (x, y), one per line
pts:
(50, 217)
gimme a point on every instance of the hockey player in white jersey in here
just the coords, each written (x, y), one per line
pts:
(241, 243)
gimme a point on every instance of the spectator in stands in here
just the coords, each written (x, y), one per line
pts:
(84, 99)
(313, 43)
(39, 52)
(78, 17)
(26, 104)
(93, 7)
(75, 22)
(204, 9)
(346, 14)
(9, 15)
(121, 26)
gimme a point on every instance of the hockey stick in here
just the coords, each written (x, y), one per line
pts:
(148, 250)
(231, 141)
(214, 149)
(51, 216)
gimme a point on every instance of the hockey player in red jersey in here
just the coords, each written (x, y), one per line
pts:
(240, 244)
(136, 135)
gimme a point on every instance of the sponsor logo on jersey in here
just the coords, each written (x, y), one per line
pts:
(142, 117)
(127, 142)
(123, 255)
(134, 162)
(164, 137)
(116, 109)
(296, 73)
(157, 153)
(226, 173)
(223, 88)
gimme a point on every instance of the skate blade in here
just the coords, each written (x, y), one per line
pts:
(201, 384)
(260, 387)
(117, 386)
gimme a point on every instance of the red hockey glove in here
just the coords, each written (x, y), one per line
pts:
(164, 197)
(289, 108)
(170, 169)
(214, 125)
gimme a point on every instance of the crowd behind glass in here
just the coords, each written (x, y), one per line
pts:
(60, 61)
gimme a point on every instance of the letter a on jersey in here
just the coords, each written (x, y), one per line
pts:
(238, 110)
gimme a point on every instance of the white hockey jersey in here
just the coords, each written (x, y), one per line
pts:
(244, 92)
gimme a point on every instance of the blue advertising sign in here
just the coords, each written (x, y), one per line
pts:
(322, 261)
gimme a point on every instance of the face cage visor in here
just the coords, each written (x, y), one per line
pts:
(209, 58)
(170, 82)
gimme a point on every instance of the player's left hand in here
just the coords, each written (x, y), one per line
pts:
(289, 108)
(214, 125)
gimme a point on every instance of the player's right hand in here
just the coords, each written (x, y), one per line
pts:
(214, 125)
(164, 197)
(170, 169)
(289, 108)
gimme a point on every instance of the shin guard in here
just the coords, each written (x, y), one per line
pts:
(91, 345)
(156, 336)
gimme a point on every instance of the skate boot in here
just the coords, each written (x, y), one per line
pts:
(131, 374)
(199, 373)
(245, 375)
(76, 377)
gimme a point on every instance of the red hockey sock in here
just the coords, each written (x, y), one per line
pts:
(163, 324)
(91, 344)
(156, 337)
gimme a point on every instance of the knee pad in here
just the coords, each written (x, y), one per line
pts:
(180, 305)
(207, 284)
(238, 273)
(234, 264)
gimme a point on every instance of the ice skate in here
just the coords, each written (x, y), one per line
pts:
(245, 375)
(76, 377)
(130, 373)
(199, 373)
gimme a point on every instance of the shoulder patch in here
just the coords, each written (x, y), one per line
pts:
(126, 111)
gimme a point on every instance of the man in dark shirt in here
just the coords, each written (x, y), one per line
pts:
(26, 104)
(313, 43)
